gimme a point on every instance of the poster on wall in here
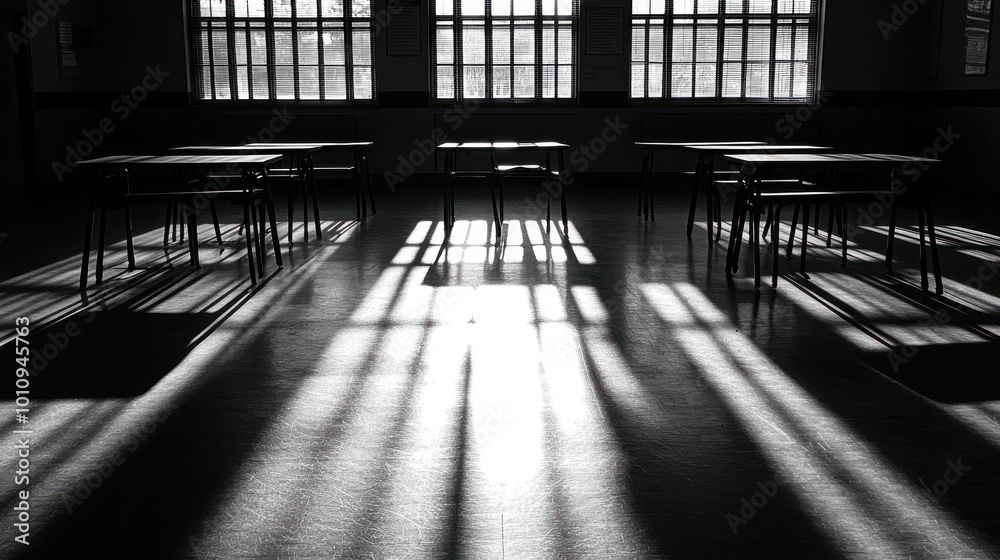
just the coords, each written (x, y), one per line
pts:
(404, 29)
(977, 36)
(77, 57)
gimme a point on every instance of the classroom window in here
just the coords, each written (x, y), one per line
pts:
(504, 50)
(724, 50)
(283, 50)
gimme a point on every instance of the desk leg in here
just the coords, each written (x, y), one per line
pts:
(806, 209)
(444, 195)
(269, 204)
(709, 185)
(562, 193)
(367, 176)
(736, 237)
(694, 195)
(248, 227)
(304, 188)
(359, 194)
(192, 224)
(129, 244)
(923, 251)
(775, 238)
(932, 235)
(311, 185)
(643, 182)
(88, 234)
(100, 244)
(755, 240)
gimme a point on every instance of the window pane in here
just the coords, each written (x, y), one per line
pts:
(334, 49)
(308, 47)
(446, 82)
(335, 82)
(474, 82)
(524, 81)
(638, 81)
(332, 8)
(362, 83)
(473, 7)
(473, 45)
(524, 45)
(501, 81)
(305, 8)
(445, 45)
(308, 82)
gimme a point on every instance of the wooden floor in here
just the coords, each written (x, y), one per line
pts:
(600, 392)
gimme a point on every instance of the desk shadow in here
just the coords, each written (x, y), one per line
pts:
(947, 373)
(108, 354)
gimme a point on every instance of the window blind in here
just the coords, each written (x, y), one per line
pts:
(509, 50)
(294, 50)
(725, 50)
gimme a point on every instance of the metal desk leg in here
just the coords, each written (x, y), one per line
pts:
(129, 244)
(562, 194)
(269, 205)
(303, 182)
(359, 195)
(444, 198)
(736, 237)
(88, 234)
(367, 176)
(932, 235)
(311, 185)
(643, 182)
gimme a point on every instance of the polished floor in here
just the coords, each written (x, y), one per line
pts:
(601, 392)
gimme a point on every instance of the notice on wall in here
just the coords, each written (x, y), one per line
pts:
(605, 31)
(77, 56)
(403, 29)
(977, 36)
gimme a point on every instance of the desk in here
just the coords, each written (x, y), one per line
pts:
(251, 167)
(362, 174)
(754, 167)
(705, 176)
(550, 149)
(649, 150)
(300, 155)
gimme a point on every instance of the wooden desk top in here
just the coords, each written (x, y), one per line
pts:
(286, 148)
(752, 148)
(199, 161)
(297, 145)
(827, 160)
(506, 146)
(680, 145)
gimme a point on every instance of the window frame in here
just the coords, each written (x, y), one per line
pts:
(539, 23)
(232, 23)
(815, 24)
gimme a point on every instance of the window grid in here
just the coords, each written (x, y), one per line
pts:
(294, 50)
(528, 49)
(724, 50)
